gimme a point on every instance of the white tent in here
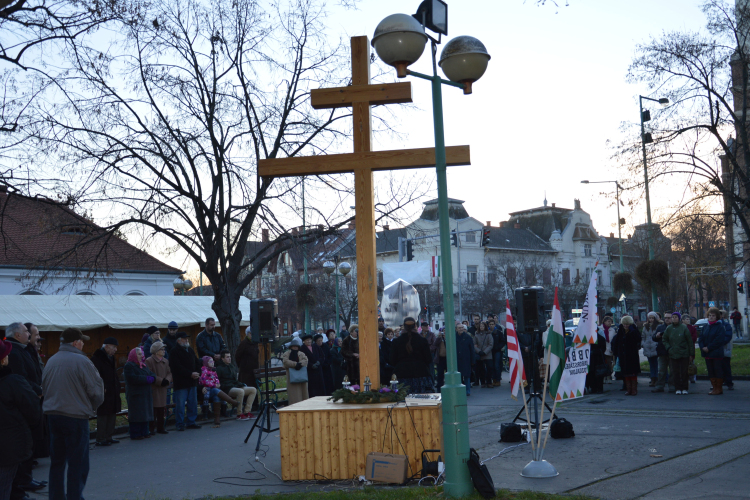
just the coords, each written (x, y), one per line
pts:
(58, 312)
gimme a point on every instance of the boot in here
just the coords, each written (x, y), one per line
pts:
(225, 397)
(627, 387)
(634, 386)
(713, 387)
(719, 389)
(217, 415)
(653, 382)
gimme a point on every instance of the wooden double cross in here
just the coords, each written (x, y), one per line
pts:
(360, 95)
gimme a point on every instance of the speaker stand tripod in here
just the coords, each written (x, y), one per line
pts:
(264, 413)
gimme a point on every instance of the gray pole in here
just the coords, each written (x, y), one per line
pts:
(654, 300)
(458, 261)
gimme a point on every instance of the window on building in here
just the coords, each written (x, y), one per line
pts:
(471, 274)
(511, 274)
(492, 276)
(566, 276)
(529, 275)
(587, 250)
(547, 276)
(471, 237)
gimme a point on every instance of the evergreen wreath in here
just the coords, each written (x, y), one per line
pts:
(384, 395)
(653, 272)
(623, 282)
(306, 296)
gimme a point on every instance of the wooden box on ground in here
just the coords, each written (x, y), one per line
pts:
(321, 439)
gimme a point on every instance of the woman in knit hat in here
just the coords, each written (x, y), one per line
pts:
(649, 345)
(212, 392)
(294, 359)
(138, 381)
(159, 364)
(625, 347)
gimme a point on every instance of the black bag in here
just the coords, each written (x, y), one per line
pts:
(561, 429)
(602, 370)
(480, 476)
(510, 433)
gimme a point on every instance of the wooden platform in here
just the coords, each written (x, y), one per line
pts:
(321, 439)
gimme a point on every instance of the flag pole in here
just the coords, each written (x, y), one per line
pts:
(544, 396)
(549, 427)
(528, 420)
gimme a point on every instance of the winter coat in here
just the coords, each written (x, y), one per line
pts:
(209, 378)
(138, 393)
(648, 342)
(21, 363)
(107, 368)
(147, 347)
(660, 349)
(713, 337)
(608, 336)
(678, 342)
(625, 347)
(337, 371)
(499, 340)
(414, 364)
(71, 385)
(464, 354)
(247, 360)
(350, 347)
(295, 392)
(170, 342)
(20, 411)
(435, 348)
(728, 339)
(429, 336)
(736, 317)
(161, 371)
(483, 345)
(315, 384)
(183, 363)
(386, 368)
(209, 344)
(228, 377)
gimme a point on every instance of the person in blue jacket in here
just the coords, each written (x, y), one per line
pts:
(711, 343)
(464, 355)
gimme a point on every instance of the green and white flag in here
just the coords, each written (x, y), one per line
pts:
(555, 341)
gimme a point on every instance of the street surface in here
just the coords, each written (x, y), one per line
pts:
(703, 442)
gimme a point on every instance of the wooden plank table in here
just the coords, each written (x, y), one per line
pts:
(322, 439)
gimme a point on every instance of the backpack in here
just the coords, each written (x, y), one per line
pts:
(561, 429)
(510, 433)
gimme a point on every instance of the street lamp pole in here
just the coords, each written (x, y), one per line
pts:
(399, 41)
(304, 259)
(646, 138)
(619, 225)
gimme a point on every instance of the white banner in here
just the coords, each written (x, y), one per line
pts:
(573, 379)
(414, 272)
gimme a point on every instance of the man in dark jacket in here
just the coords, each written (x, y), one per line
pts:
(19, 413)
(661, 353)
(498, 351)
(22, 364)
(154, 335)
(170, 339)
(185, 374)
(209, 342)
(464, 356)
(736, 318)
(247, 358)
(106, 414)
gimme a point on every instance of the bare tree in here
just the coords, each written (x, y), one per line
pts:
(164, 126)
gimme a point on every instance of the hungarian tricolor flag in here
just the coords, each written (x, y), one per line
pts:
(555, 341)
(435, 267)
(517, 373)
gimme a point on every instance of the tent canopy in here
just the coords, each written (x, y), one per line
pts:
(58, 312)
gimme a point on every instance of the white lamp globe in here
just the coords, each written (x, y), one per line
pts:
(464, 60)
(399, 41)
(344, 268)
(329, 267)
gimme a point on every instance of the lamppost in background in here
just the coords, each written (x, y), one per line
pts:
(343, 269)
(399, 41)
(647, 139)
(182, 285)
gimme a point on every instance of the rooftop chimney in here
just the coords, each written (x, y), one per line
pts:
(503, 223)
(386, 227)
(577, 204)
(628, 236)
(294, 231)
(553, 205)
(352, 225)
(611, 235)
(489, 223)
(264, 238)
(517, 225)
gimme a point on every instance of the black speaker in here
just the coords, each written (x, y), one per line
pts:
(530, 309)
(263, 319)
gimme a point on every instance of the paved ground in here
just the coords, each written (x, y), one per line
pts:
(704, 443)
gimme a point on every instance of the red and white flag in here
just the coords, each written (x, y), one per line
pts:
(517, 373)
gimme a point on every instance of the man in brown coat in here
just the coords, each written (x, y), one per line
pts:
(106, 414)
(159, 364)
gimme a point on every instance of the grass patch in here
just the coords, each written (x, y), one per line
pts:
(740, 361)
(411, 493)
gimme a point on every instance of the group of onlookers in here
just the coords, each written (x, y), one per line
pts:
(669, 346)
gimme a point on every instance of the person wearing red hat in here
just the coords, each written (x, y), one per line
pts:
(19, 413)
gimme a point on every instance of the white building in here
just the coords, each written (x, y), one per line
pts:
(48, 249)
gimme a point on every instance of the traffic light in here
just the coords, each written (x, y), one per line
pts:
(409, 250)
(485, 237)
(454, 239)
(740, 287)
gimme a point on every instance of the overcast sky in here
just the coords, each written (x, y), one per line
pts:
(553, 95)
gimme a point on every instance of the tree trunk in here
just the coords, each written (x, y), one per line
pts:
(226, 305)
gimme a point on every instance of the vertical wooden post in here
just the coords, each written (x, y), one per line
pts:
(367, 272)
